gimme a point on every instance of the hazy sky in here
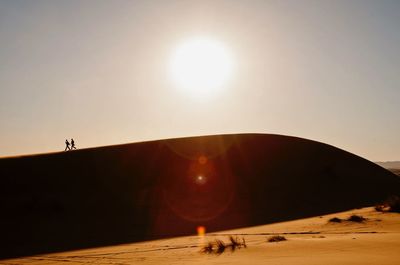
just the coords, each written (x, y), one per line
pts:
(98, 71)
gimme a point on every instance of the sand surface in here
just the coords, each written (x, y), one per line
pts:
(309, 241)
(161, 189)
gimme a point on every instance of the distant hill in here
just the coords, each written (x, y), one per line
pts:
(395, 171)
(133, 192)
(390, 164)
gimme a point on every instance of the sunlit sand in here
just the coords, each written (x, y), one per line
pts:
(309, 241)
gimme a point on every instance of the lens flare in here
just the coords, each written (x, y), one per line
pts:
(200, 179)
(201, 230)
(200, 189)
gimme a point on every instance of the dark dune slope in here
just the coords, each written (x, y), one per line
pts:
(149, 190)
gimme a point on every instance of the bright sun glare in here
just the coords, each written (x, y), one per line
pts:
(201, 66)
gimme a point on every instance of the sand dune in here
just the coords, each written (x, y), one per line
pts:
(395, 171)
(390, 164)
(309, 241)
(159, 189)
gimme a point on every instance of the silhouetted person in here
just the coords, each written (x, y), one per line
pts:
(73, 144)
(67, 145)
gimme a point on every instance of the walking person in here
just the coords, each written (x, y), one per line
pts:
(73, 144)
(67, 145)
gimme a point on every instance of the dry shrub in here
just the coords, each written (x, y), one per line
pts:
(236, 243)
(218, 246)
(276, 238)
(208, 248)
(352, 218)
(356, 218)
(335, 220)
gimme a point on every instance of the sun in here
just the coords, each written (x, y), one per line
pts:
(201, 66)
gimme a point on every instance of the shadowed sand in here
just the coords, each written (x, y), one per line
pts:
(159, 189)
(309, 241)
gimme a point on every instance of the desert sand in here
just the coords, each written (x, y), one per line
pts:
(309, 241)
(158, 190)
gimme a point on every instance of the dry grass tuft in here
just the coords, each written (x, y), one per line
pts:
(352, 218)
(218, 246)
(335, 220)
(277, 238)
(356, 218)
(208, 249)
(236, 243)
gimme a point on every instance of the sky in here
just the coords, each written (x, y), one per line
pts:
(98, 71)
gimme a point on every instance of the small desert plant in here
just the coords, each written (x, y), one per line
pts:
(276, 238)
(356, 218)
(244, 243)
(335, 220)
(207, 248)
(218, 246)
(235, 243)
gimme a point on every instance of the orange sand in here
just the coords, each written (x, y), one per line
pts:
(310, 241)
